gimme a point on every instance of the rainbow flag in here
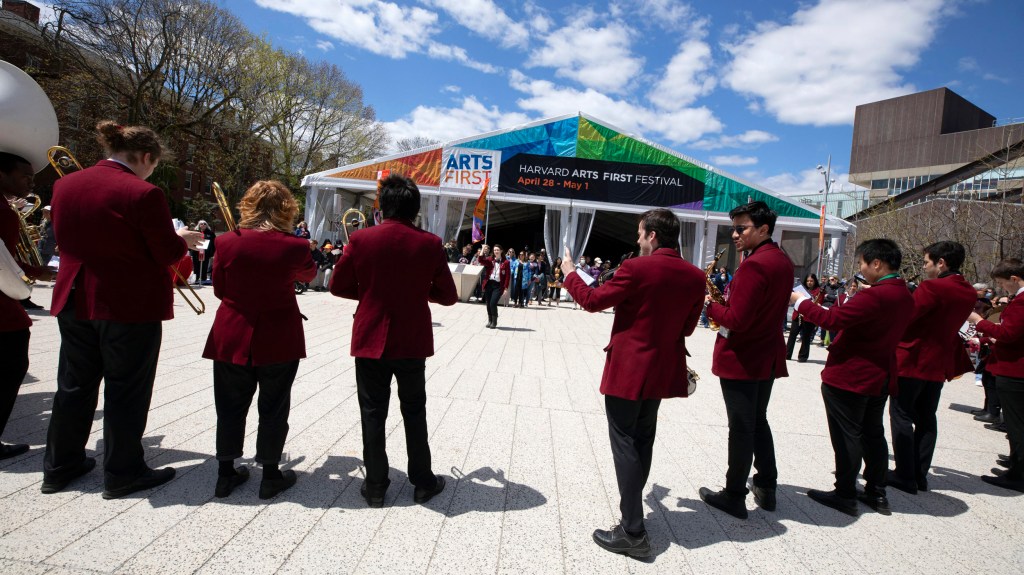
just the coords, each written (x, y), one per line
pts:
(479, 213)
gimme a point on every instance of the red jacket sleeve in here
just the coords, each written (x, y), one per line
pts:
(306, 270)
(610, 294)
(741, 309)
(857, 310)
(154, 219)
(1010, 328)
(343, 279)
(442, 286)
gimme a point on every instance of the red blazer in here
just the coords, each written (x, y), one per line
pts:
(1007, 357)
(505, 271)
(862, 359)
(657, 300)
(755, 348)
(254, 276)
(116, 241)
(393, 269)
(931, 345)
(12, 314)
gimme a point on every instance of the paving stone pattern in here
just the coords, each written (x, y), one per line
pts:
(517, 425)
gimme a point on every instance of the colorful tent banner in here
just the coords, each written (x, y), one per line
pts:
(423, 168)
(468, 168)
(480, 213)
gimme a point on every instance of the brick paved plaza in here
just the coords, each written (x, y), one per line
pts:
(518, 426)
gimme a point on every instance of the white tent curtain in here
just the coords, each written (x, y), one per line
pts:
(428, 205)
(453, 212)
(556, 225)
(581, 220)
(320, 208)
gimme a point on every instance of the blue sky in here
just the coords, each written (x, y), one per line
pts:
(764, 90)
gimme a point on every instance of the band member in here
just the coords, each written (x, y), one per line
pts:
(497, 274)
(108, 220)
(16, 175)
(257, 338)
(860, 373)
(941, 305)
(394, 269)
(1006, 363)
(751, 357)
(799, 324)
(657, 299)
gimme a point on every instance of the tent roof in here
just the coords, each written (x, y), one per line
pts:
(576, 135)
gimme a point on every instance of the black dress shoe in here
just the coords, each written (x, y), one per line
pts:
(617, 540)
(833, 500)
(875, 500)
(1004, 463)
(55, 484)
(998, 472)
(725, 501)
(269, 488)
(987, 418)
(8, 450)
(765, 498)
(29, 304)
(1004, 482)
(422, 494)
(1000, 427)
(227, 484)
(151, 478)
(375, 499)
(893, 480)
(979, 411)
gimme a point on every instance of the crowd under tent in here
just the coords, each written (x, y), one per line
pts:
(571, 181)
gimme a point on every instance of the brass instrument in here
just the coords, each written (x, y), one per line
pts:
(358, 221)
(62, 160)
(225, 209)
(713, 291)
(29, 235)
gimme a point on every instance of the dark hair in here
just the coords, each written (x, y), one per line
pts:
(814, 277)
(9, 161)
(665, 226)
(880, 249)
(758, 212)
(952, 252)
(496, 247)
(1008, 267)
(134, 140)
(399, 198)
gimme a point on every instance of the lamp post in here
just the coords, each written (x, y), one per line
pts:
(827, 172)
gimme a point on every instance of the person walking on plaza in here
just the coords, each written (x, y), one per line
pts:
(257, 340)
(496, 277)
(860, 374)
(110, 328)
(942, 304)
(1006, 363)
(801, 326)
(657, 300)
(394, 269)
(16, 174)
(750, 353)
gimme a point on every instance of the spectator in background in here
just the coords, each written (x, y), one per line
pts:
(302, 230)
(47, 241)
(525, 282)
(543, 277)
(800, 326)
(516, 275)
(201, 258)
(555, 283)
(467, 254)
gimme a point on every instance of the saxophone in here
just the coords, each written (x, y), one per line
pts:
(713, 291)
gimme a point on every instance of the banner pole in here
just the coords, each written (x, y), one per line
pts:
(487, 216)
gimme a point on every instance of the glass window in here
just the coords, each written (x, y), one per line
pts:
(188, 180)
(191, 155)
(879, 184)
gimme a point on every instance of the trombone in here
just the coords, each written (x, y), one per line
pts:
(358, 222)
(225, 209)
(63, 161)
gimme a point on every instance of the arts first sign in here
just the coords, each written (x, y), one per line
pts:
(467, 169)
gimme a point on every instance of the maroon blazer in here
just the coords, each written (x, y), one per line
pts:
(12, 314)
(758, 300)
(862, 359)
(254, 276)
(1007, 357)
(657, 300)
(504, 272)
(393, 269)
(931, 345)
(116, 241)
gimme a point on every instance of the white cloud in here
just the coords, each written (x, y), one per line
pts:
(748, 139)
(324, 45)
(967, 65)
(832, 57)
(809, 181)
(733, 160)
(383, 28)
(485, 18)
(451, 89)
(670, 15)
(446, 124)
(686, 77)
(598, 58)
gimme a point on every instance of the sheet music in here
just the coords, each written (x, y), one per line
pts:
(803, 292)
(589, 279)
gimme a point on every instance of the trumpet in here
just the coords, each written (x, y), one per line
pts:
(358, 221)
(225, 209)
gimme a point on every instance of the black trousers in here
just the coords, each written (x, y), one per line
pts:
(13, 367)
(914, 427)
(857, 433)
(992, 403)
(750, 436)
(806, 330)
(201, 268)
(373, 383)
(631, 428)
(233, 389)
(124, 356)
(492, 293)
(1011, 393)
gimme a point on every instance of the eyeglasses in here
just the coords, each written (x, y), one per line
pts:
(738, 229)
